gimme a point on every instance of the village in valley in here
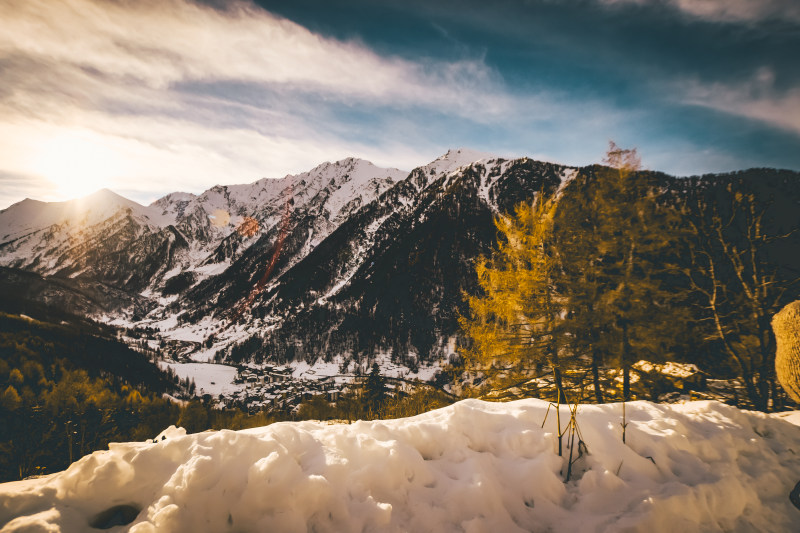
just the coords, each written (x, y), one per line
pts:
(272, 388)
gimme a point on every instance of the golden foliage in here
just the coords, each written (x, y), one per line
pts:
(512, 324)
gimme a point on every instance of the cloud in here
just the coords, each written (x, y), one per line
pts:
(176, 95)
(161, 43)
(755, 98)
(727, 10)
(132, 157)
(171, 94)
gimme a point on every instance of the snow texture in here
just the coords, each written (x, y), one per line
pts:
(473, 466)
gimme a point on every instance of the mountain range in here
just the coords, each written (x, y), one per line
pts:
(340, 263)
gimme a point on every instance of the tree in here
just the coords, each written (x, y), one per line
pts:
(738, 285)
(194, 417)
(316, 408)
(614, 237)
(514, 325)
(374, 389)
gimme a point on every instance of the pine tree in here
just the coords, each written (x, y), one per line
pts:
(374, 389)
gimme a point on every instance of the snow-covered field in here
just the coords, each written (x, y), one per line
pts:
(473, 466)
(209, 378)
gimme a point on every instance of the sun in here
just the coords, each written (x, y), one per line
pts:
(77, 163)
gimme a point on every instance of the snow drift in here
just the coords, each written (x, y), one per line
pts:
(473, 466)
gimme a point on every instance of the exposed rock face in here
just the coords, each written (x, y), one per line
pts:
(786, 325)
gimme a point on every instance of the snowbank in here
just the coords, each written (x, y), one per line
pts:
(473, 466)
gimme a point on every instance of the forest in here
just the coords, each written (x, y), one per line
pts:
(610, 270)
(68, 389)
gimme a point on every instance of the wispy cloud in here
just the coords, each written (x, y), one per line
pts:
(181, 93)
(151, 96)
(727, 10)
(162, 43)
(756, 98)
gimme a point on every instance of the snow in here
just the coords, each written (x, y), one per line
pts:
(320, 369)
(209, 378)
(455, 159)
(793, 417)
(473, 466)
(30, 215)
(354, 177)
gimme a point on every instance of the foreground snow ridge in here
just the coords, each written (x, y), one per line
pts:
(473, 466)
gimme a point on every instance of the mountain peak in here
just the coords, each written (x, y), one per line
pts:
(456, 158)
(104, 195)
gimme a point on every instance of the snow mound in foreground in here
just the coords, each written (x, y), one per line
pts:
(473, 466)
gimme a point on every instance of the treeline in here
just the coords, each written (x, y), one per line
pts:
(618, 267)
(66, 392)
(373, 400)
(357, 342)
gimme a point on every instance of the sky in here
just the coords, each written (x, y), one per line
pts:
(154, 96)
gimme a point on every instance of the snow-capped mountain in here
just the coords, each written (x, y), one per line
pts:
(391, 277)
(103, 237)
(109, 239)
(343, 262)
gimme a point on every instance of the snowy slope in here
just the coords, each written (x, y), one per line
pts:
(339, 183)
(473, 467)
(393, 274)
(190, 233)
(325, 195)
(30, 216)
(75, 237)
(455, 159)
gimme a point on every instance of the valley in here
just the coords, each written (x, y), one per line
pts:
(322, 273)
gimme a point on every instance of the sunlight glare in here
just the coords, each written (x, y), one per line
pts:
(77, 163)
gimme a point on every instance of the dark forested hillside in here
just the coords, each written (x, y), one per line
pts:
(67, 389)
(392, 276)
(388, 272)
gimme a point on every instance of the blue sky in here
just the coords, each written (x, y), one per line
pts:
(148, 97)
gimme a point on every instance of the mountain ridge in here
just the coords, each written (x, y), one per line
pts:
(344, 262)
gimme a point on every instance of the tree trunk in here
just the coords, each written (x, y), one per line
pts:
(767, 370)
(559, 385)
(598, 389)
(626, 364)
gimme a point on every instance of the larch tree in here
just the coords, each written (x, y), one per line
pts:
(514, 326)
(614, 238)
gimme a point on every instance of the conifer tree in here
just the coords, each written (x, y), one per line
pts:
(374, 389)
(515, 324)
(614, 239)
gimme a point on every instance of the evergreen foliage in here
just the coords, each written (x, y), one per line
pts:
(616, 244)
(374, 389)
(66, 392)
